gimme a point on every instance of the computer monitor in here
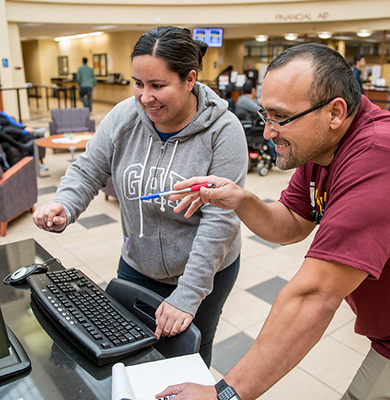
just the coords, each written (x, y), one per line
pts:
(252, 74)
(4, 342)
(118, 77)
(13, 358)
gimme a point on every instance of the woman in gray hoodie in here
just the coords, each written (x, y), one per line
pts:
(172, 129)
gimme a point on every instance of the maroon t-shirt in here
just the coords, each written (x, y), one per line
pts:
(355, 228)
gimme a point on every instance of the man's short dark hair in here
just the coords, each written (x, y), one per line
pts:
(357, 58)
(332, 76)
(248, 86)
(85, 60)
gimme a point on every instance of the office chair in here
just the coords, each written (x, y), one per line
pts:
(131, 296)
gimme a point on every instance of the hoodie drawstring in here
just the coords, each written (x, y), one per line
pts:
(141, 215)
(163, 201)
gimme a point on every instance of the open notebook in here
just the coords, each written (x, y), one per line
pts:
(144, 381)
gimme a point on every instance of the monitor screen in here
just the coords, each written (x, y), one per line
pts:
(212, 36)
(4, 344)
(215, 37)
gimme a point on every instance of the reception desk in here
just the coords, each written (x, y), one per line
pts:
(379, 96)
(105, 91)
(111, 92)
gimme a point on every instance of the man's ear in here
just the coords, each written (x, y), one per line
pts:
(338, 112)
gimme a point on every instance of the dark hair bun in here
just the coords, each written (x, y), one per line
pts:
(203, 46)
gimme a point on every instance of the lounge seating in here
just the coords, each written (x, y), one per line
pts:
(18, 191)
(71, 120)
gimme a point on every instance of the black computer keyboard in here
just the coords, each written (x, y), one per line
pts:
(93, 321)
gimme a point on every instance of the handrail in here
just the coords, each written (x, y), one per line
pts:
(72, 98)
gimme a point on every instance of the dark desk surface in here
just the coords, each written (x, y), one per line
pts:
(59, 371)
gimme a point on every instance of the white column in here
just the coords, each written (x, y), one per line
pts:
(11, 67)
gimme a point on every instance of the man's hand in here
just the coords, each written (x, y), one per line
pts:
(50, 217)
(170, 320)
(189, 391)
(225, 194)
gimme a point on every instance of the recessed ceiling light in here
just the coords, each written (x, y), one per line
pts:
(291, 36)
(340, 37)
(325, 35)
(262, 38)
(79, 36)
(104, 27)
(364, 33)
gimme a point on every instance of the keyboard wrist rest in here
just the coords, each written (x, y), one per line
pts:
(129, 294)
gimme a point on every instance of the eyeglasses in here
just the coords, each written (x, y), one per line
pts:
(278, 125)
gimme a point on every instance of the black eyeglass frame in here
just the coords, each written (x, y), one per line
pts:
(294, 117)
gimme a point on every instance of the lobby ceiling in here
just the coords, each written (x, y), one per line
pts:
(30, 31)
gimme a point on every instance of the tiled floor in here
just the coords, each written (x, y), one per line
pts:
(93, 244)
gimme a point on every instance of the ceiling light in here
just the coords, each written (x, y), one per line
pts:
(262, 38)
(291, 36)
(325, 35)
(79, 36)
(364, 33)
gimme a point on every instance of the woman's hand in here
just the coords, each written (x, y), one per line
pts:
(170, 320)
(50, 217)
(225, 194)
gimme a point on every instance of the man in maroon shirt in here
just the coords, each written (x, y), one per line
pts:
(340, 144)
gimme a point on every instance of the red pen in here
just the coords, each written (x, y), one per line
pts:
(193, 188)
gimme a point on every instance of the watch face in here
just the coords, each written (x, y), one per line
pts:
(228, 394)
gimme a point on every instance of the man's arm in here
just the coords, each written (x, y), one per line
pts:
(297, 320)
(273, 222)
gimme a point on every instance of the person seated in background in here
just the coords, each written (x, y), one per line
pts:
(228, 97)
(19, 136)
(11, 126)
(4, 154)
(247, 108)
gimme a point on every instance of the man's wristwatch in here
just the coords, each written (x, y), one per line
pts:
(226, 392)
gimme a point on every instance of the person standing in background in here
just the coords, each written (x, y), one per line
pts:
(86, 80)
(359, 63)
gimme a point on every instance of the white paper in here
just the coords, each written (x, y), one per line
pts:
(120, 385)
(66, 140)
(146, 380)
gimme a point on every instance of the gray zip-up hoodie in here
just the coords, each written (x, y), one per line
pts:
(159, 243)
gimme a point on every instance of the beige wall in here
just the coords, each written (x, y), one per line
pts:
(15, 77)
(41, 57)
(386, 72)
(48, 63)
(30, 51)
(40, 60)
(234, 54)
